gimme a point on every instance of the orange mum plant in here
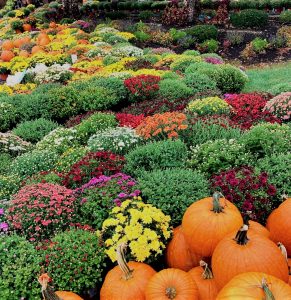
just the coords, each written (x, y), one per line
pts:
(166, 125)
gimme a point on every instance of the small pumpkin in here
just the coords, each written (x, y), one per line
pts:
(44, 41)
(23, 53)
(127, 280)
(279, 224)
(241, 254)
(6, 55)
(255, 285)
(207, 221)
(204, 279)
(7, 45)
(178, 253)
(26, 27)
(173, 284)
(36, 49)
(49, 294)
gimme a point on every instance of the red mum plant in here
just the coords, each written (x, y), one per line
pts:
(247, 189)
(248, 110)
(129, 120)
(39, 211)
(142, 87)
(92, 165)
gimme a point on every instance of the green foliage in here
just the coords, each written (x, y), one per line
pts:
(34, 131)
(19, 269)
(7, 115)
(146, 15)
(249, 18)
(203, 32)
(210, 46)
(76, 255)
(181, 64)
(177, 34)
(259, 45)
(5, 161)
(172, 89)
(33, 162)
(96, 122)
(142, 36)
(153, 156)
(280, 88)
(199, 82)
(218, 155)
(285, 16)
(9, 185)
(173, 190)
(266, 139)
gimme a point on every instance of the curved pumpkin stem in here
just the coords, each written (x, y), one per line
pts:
(171, 293)
(47, 292)
(207, 274)
(217, 208)
(285, 254)
(267, 291)
(120, 253)
(241, 237)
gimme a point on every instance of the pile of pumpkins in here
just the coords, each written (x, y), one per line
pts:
(214, 254)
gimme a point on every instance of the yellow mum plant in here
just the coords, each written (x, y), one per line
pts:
(143, 227)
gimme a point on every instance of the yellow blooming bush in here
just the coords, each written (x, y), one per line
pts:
(143, 227)
(209, 106)
(19, 64)
(5, 89)
(126, 35)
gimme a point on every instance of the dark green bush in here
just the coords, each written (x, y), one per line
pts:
(153, 156)
(159, 5)
(199, 82)
(7, 115)
(19, 269)
(203, 32)
(146, 15)
(249, 18)
(34, 131)
(5, 162)
(144, 5)
(172, 89)
(285, 16)
(209, 46)
(173, 190)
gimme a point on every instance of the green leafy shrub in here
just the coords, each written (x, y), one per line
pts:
(96, 122)
(5, 162)
(19, 268)
(209, 46)
(9, 184)
(34, 131)
(145, 15)
(203, 32)
(285, 16)
(12, 144)
(259, 45)
(33, 162)
(277, 167)
(280, 88)
(153, 156)
(183, 62)
(218, 155)
(172, 89)
(74, 254)
(249, 18)
(7, 116)
(266, 139)
(173, 190)
(199, 82)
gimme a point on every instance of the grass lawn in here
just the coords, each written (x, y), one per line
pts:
(264, 78)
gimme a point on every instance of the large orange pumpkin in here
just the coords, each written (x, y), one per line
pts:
(208, 221)
(241, 254)
(256, 286)
(49, 294)
(7, 45)
(36, 49)
(26, 27)
(178, 253)
(171, 284)
(7, 55)
(206, 284)
(279, 224)
(255, 227)
(23, 53)
(44, 41)
(127, 281)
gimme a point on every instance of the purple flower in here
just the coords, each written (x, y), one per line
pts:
(1, 211)
(117, 202)
(122, 195)
(83, 201)
(4, 226)
(131, 183)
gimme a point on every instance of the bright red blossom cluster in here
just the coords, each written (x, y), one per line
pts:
(247, 189)
(92, 165)
(248, 110)
(129, 120)
(40, 210)
(142, 86)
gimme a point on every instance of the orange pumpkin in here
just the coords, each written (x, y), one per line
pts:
(241, 254)
(44, 41)
(256, 227)
(206, 284)
(279, 224)
(126, 281)
(171, 284)
(255, 285)
(7, 45)
(49, 294)
(26, 39)
(19, 42)
(207, 221)
(23, 53)
(7, 55)
(26, 27)
(36, 49)
(52, 25)
(178, 253)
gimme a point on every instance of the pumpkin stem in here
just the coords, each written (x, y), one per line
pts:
(217, 208)
(241, 237)
(268, 294)
(171, 293)
(121, 260)
(207, 274)
(285, 254)
(47, 292)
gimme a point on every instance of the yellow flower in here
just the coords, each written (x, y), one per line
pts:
(109, 223)
(109, 242)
